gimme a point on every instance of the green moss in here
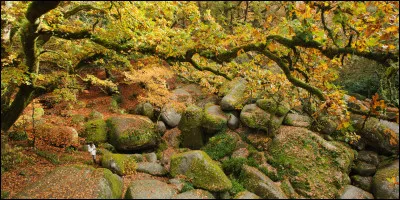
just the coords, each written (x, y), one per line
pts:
(287, 121)
(204, 172)
(236, 187)
(233, 165)
(77, 119)
(268, 105)
(114, 182)
(95, 131)
(214, 121)
(220, 145)
(187, 187)
(281, 111)
(18, 135)
(161, 147)
(124, 163)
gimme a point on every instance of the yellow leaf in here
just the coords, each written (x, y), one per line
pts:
(392, 29)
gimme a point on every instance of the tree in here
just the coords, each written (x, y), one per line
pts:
(286, 49)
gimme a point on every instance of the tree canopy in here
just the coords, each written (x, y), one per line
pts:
(291, 51)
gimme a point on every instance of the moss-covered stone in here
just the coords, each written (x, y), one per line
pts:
(95, 131)
(119, 163)
(220, 145)
(234, 98)
(149, 189)
(132, 133)
(190, 126)
(201, 169)
(255, 181)
(214, 119)
(379, 134)
(255, 117)
(315, 167)
(95, 115)
(81, 181)
(381, 187)
(271, 106)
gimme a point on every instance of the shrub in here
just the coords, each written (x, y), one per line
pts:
(53, 158)
(10, 157)
(187, 187)
(236, 187)
(18, 135)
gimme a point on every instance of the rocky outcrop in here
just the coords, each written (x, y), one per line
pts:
(75, 182)
(201, 169)
(132, 132)
(151, 168)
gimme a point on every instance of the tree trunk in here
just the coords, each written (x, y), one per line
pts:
(24, 96)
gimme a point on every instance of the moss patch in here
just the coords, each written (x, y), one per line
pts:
(95, 131)
(220, 145)
(316, 168)
(125, 165)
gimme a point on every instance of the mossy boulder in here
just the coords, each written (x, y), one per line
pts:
(120, 164)
(381, 135)
(254, 117)
(195, 194)
(149, 189)
(234, 98)
(260, 184)
(75, 182)
(145, 109)
(201, 169)
(294, 119)
(95, 115)
(364, 169)
(362, 182)
(95, 131)
(190, 126)
(315, 167)
(133, 132)
(271, 106)
(381, 187)
(220, 145)
(214, 119)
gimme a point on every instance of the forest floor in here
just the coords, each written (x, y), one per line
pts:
(35, 166)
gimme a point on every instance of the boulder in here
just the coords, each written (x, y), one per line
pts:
(271, 106)
(381, 187)
(195, 194)
(132, 132)
(150, 157)
(381, 135)
(362, 182)
(369, 157)
(75, 182)
(59, 136)
(95, 115)
(120, 164)
(149, 189)
(364, 169)
(95, 131)
(173, 137)
(246, 195)
(190, 126)
(145, 109)
(294, 119)
(151, 168)
(204, 172)
(352, 192)
(235, 96)
(233, 122)
(161, 128)
(315, 167)
(170, 116)
(214, 119)
(258, 183)
(255, 117)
